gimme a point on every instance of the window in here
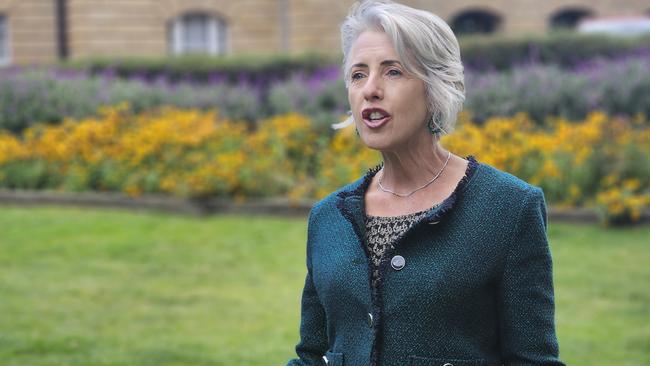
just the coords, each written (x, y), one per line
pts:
(568, 18)
(197, 33)
(4, 41)
(475, 21)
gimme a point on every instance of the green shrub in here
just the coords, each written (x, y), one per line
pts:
(563, 49)
(233, 69)
(566, 49)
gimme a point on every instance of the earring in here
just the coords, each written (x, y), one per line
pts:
(350, 117)
(433, 127)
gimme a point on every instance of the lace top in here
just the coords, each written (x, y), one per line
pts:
(381, 233)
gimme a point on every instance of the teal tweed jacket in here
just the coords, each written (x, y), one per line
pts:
(474, 287)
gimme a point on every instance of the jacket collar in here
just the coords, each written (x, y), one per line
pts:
(351, 201)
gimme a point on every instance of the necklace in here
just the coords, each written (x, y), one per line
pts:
(381, 187)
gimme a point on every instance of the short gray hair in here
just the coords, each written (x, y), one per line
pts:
(426, 46)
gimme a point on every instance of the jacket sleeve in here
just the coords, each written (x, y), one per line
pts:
(526, 300)
(313, 329)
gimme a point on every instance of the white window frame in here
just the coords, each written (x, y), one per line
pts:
(5, 47)
(217, 39)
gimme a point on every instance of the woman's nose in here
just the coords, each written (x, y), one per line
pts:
(373, 89)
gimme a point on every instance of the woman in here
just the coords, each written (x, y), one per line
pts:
(429, 259)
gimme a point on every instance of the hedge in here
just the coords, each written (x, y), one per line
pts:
(478, 53)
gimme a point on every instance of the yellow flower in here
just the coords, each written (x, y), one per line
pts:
(631, 184)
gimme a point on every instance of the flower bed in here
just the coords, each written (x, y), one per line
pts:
(618, 86)
(601, 161)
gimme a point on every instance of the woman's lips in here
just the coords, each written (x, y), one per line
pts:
(376, 123)
(367, 113)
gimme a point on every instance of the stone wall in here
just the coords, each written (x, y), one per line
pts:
(32, 30)
(140, 27)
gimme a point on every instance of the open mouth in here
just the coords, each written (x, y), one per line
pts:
(375, 117)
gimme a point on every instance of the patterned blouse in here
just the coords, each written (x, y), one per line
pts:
(381, 233)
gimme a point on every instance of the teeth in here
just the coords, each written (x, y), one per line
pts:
(376, 115)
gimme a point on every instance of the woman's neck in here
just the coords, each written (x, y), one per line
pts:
(412, 166)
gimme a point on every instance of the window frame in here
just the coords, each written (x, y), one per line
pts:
(492, 20)
(569, 18)
(216, 34)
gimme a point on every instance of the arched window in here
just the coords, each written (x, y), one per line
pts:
(5, 57)
(475, 21)
(568, 18)
(197, 33)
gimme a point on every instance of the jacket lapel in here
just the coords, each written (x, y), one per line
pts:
(351, 205)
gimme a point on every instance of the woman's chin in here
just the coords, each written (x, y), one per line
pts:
(377, 143)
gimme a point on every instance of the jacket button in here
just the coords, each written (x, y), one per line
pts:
(370, 320)
(397, 262)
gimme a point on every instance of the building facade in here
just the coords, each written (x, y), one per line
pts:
(45, 31)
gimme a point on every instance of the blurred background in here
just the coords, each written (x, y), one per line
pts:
(207, 106)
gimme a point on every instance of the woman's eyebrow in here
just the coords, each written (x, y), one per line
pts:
(383, 63)
(390, 62)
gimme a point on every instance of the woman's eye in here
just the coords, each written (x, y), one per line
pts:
(394, 72)
(356, 76)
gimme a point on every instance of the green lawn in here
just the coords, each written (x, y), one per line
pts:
(99, 287)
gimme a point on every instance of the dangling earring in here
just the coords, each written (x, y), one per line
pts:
(434, 129)
(357, 131)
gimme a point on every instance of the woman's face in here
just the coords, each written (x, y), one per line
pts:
(388, 104)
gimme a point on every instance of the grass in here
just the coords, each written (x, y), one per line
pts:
(100, 287)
